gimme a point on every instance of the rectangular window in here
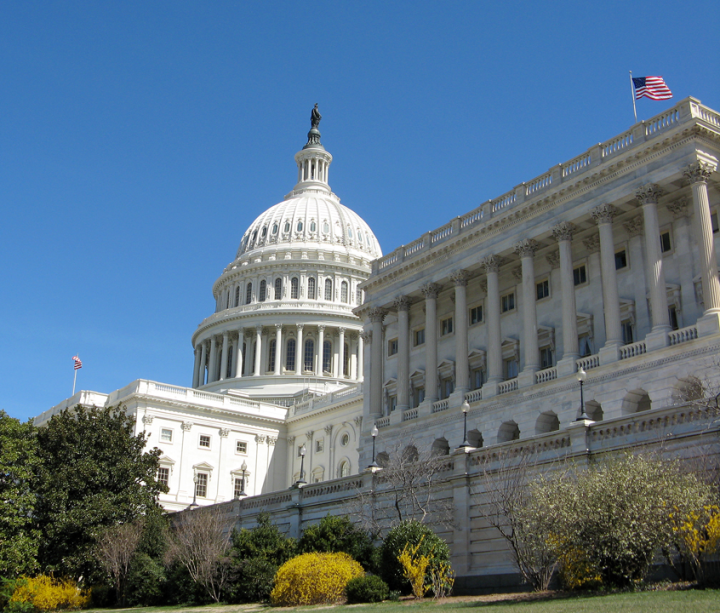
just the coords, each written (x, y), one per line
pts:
(201, 485)
(239, 487)
(584, 345)
(166, 435)
(627, 332)
(665, 242)
(580, 275)
(476, 315)
(446, 387)
(476, 379)
(507, 302)
(672, 312)
(358, 296)
(543, 289)
(620, 259)
(419, 337)
(319, 445)
(205, 441)
(392, 403)
(446, 326)
(392, 346)
(418, 395)
(511, 369)
(546, 357)
(163, 475)
(240, 447)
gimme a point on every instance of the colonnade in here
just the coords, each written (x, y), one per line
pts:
(241, 353)
(562, 233)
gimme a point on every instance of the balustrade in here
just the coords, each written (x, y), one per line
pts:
(683, 335)
(632, 350)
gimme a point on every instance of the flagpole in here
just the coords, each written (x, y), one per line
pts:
(75, 376)
(632, 93)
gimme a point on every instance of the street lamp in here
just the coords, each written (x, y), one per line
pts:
(243, 472)
(374, 433)
(465, 408)
(195, 481)
(581, 376)
(301, 480)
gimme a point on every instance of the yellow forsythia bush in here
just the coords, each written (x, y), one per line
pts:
(314, 578)
(49, 594)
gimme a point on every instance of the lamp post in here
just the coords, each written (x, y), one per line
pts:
(243, 472)
(581, 376)
(301, 480)
(374, 433)
(195, 481)
(465, 408)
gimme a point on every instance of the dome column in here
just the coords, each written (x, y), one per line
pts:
(212, 369)
(225, 353)
(361, 356)
(341, 353)
(239, 354)
(258, 352)
(320, 351)
(196, 366)
(278, 348)
(299, 351)
(203, 364)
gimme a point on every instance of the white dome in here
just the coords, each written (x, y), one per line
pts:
(311, 219)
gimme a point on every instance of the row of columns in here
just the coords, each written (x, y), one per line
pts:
(603, 216)
(231, 354)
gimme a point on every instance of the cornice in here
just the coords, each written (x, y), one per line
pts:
(320, 411)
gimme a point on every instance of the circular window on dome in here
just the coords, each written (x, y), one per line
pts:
(326, 227)
(300, 225)
(275, 228)
(287, 226)
(345, 439)
(264, 232)
(350, 232)
(313, 226)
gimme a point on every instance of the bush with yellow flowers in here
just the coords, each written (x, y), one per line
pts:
(45, 593)
(314, 578)
(696, 538)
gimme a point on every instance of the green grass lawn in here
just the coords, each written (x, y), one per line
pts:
(689, 601)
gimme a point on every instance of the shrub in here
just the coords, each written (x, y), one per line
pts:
(45, 593)
(145, 581)
(314, 578)
(411, 533)
(415, 566)
(251, 580)
(369, 588)
(335, 534)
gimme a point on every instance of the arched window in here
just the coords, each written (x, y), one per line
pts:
(287, 226)
(278, 288)
(237, 296)
(294, 288)
(358, 296)
(309, 354)
(271, 355)
(344, 469)
(263, 290)
(264, 232)
(299, 225)
(290, 357)
(344, 291)
(359, 236)
(248, 293)
(328, 289)
(350, 231)
(326, 227)
(327, 356)
(313, 226)
(311, 288)
(275, 228)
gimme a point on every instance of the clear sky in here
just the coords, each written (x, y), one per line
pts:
(138, 141)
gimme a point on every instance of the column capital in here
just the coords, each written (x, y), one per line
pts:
(592, 243)
(634, 226)
(224, 432)
(291, 440)
(341, 330)
(517, 273)
(491, 263)
(259, 439)
(553, 258)
(377, 314)
(271, 440)
(401, 303)
(187, 426)
(328, 429)
(563, 231)
(258, 329)
(603, 213)
(648, 194)
(680, 208)
(430, 290)
(526, 248)
(460, 277)
(299, 327)
(278, 326)
(699, 172)
(366, 336)
(309, 434)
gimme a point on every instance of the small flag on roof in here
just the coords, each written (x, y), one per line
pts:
(78, 362)
(654, 88)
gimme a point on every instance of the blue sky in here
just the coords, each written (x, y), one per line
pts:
(138, 140)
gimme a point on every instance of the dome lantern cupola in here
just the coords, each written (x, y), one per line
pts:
(312, 160)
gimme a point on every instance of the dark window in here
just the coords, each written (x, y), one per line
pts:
(546, 357)
(714, 222)
(580, 275)
(263, 290)
(344, 291)
(665, 243)
(476, 315)
(620, 259)
(290, 357)
(673, 317)
(476, 379)
(511, 368)
(358, 296)
(237, 296)
(627, 332)
(392, 346)
(327, 356)
(278, 288)
(311, 288)
(201, 485)
(163, 475)
(248, 293)
(294, 284)
(346, 360)
(271, 355)
(328, 289)
(420, 337)
(507, 302)
(543, 289)
(309, 353)
(446, 326)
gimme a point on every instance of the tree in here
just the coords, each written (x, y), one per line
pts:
(19, 463)
(115, 549)
(94, 475)
(199, 541)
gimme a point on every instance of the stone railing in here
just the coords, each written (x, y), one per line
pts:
(410, 414)
(383, 422)
(632, 350)
(683, 335)
(545, 375)
(326, 400)
(508, 386)
(441, 405)
(474, 396)
(588, 362)
(686, 111)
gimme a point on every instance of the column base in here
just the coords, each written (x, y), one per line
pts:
(568, 365)
(527, 377)
(657, 338)
(609, 353)
(425, 407)
(396, 417)
(457, 397)
(490, 389)
(708, 324)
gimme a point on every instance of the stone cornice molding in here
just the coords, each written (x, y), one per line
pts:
(603, 213)
(634, 226)
(699, 172)
(680, 208)
(526, 248)
(592, 243)
(491, 263)
(401, 303)
(563, 231)
(430, 290)
(460, 277)
(648, 194)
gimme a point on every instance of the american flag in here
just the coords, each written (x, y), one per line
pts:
(651, 87)
(78, 362)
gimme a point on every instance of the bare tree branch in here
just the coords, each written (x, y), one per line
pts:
(115, 549)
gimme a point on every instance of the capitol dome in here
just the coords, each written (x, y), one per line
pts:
(283, 324)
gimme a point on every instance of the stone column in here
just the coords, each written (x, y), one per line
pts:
(196, 366)
(299, 352)
(647, 197)
(258, 348)
(341, 352)
(494, 334)
(224, 358)
(203, 364)
(526, 250)
(278, 348)
(462, 367)
(698, 175)
(239, 354)
(320, 350)
(682, 213)
(402, 305)
(562, 233)
(430, 291)
(603, 217)
(362, 341)
(635, 229)
(376, 317)
(594, 276)
(212, 369)
(354, 345)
